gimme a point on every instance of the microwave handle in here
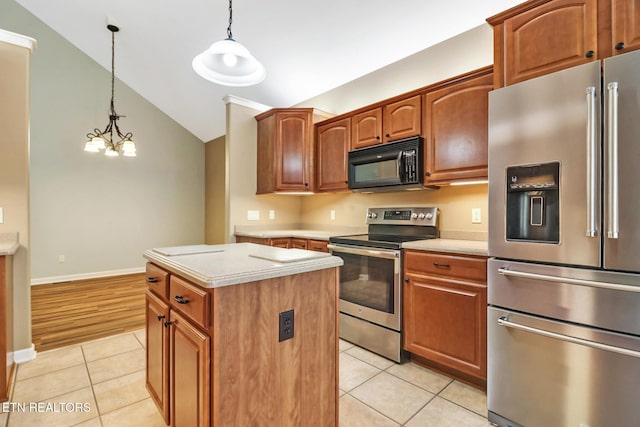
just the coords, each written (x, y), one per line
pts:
(400, 162)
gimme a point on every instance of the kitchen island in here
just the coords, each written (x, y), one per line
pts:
(243, 334)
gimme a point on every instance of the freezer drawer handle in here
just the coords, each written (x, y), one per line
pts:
(504, 321)
(613, 231)
(569, 280)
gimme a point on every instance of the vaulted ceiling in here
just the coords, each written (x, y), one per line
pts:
(307, 47)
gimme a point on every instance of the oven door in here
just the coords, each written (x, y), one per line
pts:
(370, 284)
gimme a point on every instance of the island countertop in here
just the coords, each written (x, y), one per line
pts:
(212, 266)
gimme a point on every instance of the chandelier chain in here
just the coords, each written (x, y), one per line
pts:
(229, 35)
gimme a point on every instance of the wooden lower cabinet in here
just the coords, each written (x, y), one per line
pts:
(287, 242)
(232, 370)
(445, 312)
(189, 373)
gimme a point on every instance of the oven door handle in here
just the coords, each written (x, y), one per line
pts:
(504, 321)
(362, 251)
(569, 280)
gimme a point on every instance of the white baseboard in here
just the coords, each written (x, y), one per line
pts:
(24, 355)
(83, 276)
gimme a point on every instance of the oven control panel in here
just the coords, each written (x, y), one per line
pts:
(403, 216)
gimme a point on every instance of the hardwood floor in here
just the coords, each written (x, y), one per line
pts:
(83, 310)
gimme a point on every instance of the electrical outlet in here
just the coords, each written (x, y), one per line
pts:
(61, 258)
(286, 325)
(272, 214)
(253, 215)
(333, 214)
(476, 216)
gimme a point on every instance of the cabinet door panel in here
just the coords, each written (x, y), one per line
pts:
(445, 321)
(190, 374)
(366, 129)
(292, 151)
(333, 141)
(625, 26)
(402, 119)
(157, 353)
(456, 130)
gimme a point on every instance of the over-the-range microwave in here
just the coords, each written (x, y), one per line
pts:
(392, 166)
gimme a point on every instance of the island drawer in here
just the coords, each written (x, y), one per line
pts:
(157, 280)
(430, 263)
(190, 300)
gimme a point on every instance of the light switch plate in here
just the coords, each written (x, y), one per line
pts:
(1, 215)
(272, 214)
(333, 214)
(476, 216)
(253, 215)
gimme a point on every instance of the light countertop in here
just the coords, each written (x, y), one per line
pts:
(469, 247)
(9, 243)
(295, 233)
(213, 266)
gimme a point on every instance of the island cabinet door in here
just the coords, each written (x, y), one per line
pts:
(189, 374)
(157, 381)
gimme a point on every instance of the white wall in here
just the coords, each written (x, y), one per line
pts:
(101, 213)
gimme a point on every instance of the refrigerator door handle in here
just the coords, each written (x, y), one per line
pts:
(613, 227)
(592, 165)
(568, 280)
(504, 321)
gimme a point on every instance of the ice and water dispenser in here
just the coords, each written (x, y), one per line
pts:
(533, 203)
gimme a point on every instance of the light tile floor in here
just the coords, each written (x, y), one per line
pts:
(101, 383)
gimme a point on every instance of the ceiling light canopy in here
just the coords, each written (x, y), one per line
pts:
(103, 140)
(229, 63)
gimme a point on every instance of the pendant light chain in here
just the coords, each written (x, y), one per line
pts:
(229, 35)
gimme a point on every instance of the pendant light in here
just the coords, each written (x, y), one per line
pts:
(228, 63)
(104, 140)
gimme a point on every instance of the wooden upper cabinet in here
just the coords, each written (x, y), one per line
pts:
(366, 128)
(456, 129)
(332, 145)
(286, 150)
(402, 119)
(625, 26)
(541, 36)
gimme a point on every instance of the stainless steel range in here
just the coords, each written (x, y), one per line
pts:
(370, 279)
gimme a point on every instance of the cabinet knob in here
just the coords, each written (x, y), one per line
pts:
(160, 317)
(406, 280)
(180, 299)
(378, 137)
(619, 46)
(589, 54)
(306, 184)
(346, 182)
(387, 135)
(427, 174)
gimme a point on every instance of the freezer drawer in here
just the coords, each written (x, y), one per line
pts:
(549, 373)
(603, 299)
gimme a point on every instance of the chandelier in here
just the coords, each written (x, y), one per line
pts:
(229, 63)
(104, 140)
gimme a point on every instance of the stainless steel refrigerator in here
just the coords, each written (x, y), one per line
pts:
(564, 237)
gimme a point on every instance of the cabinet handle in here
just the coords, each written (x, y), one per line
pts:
(589, 54)
(160, 317)
(180, 299)
(167, 324)
(619, 46)
(152, 280)
(440, 265)
(406, 280)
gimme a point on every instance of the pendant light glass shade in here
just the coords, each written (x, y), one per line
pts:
(228, 63)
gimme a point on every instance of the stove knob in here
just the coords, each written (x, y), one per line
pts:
(429, 216)
(414, 215)
(421, 216)
(372, 215)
